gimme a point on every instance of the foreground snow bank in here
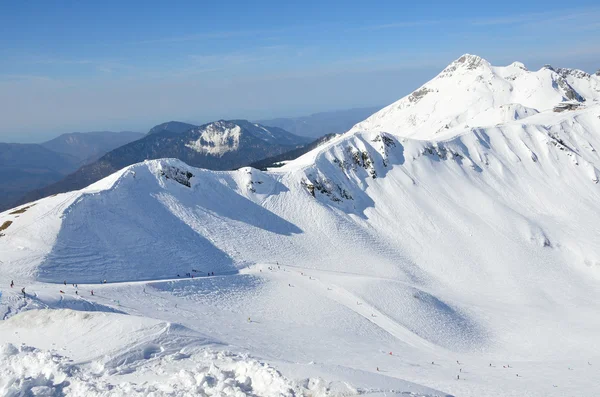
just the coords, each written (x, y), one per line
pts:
(29, 371)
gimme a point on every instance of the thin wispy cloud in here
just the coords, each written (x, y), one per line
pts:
(25, 77)
(212, 35)
(542, 17)
(101, 65)
(396, 25)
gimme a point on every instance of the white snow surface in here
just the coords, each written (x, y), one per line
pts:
(216, 139)
(461, 95)
(391, 260)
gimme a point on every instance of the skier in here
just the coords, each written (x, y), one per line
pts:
(12, 283)
(76, 293)
(23, 291)
(457, 377)
(460, 370)
(65, 282)
(377, 369)
(92, 292)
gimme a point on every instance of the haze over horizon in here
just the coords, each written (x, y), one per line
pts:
(128, 67)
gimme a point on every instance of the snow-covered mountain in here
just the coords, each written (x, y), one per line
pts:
(450, 241)
(472, 93)
(220, 145)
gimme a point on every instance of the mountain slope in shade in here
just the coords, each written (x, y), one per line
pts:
(29, 166)
(381, 259)
(89, 146)
(281, 159)
(221, 145)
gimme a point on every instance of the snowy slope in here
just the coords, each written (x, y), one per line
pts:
(470, 86)
(473, 248)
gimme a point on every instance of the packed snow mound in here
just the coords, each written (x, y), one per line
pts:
(29, 371)
(96, 354)
(470, 92)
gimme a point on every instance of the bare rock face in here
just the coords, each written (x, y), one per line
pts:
(579, 74)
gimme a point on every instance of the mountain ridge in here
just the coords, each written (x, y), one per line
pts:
(462, 255)
(219, 145)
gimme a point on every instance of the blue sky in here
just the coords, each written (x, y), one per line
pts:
(82, 66)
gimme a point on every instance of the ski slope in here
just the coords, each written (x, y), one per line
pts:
(447, 245)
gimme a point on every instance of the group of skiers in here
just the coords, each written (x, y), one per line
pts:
(191, 274)
(12, 284)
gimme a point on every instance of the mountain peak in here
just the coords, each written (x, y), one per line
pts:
(465, 63)
(173, 127)
(471, 92)
(470, 61)
(519, 65)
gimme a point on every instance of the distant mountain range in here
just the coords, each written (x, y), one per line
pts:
(25, 167)
(220, 145)
(281, 159)
(320, 124)
(90, 146)
(75, 160)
